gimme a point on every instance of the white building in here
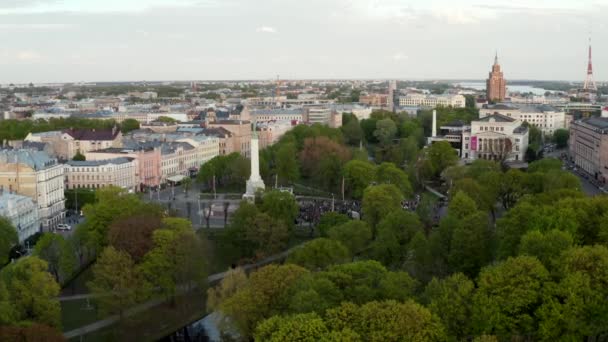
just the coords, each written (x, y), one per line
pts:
(96, 174)
(21, 211)
(258, 115)
(36, 175)
(496, 137)
(432, 101)
(546, 118)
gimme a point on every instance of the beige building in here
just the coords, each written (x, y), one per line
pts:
(270, 132)
(96, 174)
(241, 134)
(38, 176)
(65, 144)
(588, 146)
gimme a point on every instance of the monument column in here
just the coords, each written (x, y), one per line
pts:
(255, 182)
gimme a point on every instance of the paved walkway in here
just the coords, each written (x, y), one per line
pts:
(212, 279)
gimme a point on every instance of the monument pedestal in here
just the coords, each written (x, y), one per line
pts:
(252, 187)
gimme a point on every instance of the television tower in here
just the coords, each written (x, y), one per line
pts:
(589, 85)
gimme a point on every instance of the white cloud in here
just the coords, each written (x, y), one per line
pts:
(28, 56)
(266, 29)
(399, 56)
(34, 27)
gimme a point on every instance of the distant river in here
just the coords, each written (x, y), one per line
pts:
(510, 88)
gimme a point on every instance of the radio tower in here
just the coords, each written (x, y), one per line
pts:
(589, 85)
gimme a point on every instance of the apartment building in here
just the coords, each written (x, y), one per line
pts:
(241, 134)
(65, 144)
(432, 101)
(546, 118)
(38, 176)
(588, 146)
(21, 211)
(96, 174)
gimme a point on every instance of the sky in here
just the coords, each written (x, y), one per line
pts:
(136, 40)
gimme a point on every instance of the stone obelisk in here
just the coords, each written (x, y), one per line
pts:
(255, 182)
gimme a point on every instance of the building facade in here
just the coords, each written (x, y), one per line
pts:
(147, 157)
(496, 85)
(271, 131)
(21, 211)
(432, 101)
(97, 174)
(546, 118)
(588, 146)
(38, 176)
(241, 134)
(65, 144)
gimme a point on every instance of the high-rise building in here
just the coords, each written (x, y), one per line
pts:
(496, 86)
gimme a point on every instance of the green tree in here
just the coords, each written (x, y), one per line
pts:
(287, 163)
(441, 155)
(281, 206)
(302, 327)
(355, 235)
(353, 133)
(267, 234)
(561, 137)
(545, 165)
(388, 173)
(387, 321)
(451, 299)
(133, 234)
(8, 239)
(129, 125)
(319, 253)
(331, 219)
(235, 280)
(115, 282)
(32, 291)
(79, 156)
(385, 132)
(379, 201)
(264, 295)
(58, 253)
(395, 232)
(358, 175)
(186, 184)
(576, 309)
(508, 295)
(547, 247)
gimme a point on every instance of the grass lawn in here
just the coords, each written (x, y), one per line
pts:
(76, 313)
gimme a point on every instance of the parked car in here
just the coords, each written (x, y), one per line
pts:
(63, 226)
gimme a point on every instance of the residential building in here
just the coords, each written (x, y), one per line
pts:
(544, 117)
(588, 146)
(159, 127)
(147, 157)
(375, 100)
(496, 85)
(296, 115)
(21, 211)
(241, 134)
(65, 144)
(432, 101)
(271, 131)
(38, 176)
(226, 140)
(96, 174)
(361, 112)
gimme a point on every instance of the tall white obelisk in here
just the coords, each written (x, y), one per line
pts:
(255, 182)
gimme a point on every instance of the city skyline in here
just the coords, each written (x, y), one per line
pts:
(73, 41)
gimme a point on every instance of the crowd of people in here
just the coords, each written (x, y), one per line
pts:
(311, 210)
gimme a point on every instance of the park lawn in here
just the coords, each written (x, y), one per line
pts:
(76, 314)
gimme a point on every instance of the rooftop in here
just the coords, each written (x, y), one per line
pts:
(601, 123)
(37, 160)
(115, 161)
(92, 134)
(496, 118)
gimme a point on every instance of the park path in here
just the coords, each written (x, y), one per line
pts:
(212, 279)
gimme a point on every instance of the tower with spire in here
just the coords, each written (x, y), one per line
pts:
(589, 86)
(496, 86)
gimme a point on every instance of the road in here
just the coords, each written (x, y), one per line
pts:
(587, 186)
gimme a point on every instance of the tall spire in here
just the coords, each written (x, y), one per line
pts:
(589, 81)
(496, 58)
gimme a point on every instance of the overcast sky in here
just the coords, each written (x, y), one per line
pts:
(117, 40)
